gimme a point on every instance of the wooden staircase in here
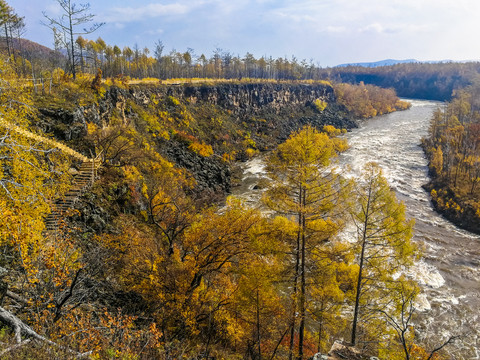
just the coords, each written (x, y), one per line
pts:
(81, 182)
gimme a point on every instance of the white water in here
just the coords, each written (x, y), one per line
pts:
(449, 271)
(450, 268)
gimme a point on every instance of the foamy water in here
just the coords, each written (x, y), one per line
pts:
(449, 270)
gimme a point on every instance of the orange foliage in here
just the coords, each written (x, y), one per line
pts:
(366, 101)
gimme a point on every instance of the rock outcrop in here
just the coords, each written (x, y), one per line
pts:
(270, 111)
(341, 351)
(210, 173)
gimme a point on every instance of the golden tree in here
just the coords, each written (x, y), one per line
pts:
(383, 241)
(308, 193)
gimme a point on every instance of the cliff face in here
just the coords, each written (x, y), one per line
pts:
(285, 107)
(249, 99)
(241, 100)
(267, 112)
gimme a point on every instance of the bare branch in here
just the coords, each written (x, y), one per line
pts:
(20, 328)
(449, 341)
(16, 297)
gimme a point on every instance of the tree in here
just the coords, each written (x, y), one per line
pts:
(127, 54)
(32, 174)
(257, 308)
(307, 192)
(14, 27)
(401, 319)
(383, 238)
(169, 208)
(6, 16)
(158, 53)
(332, 282)
(73, 16)
(82, 44)
(191, 288)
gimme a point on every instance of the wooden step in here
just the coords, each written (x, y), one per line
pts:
(81, 182)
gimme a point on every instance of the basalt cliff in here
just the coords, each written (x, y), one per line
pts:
(235, 120)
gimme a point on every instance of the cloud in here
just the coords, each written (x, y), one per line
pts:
(336, 29)
(378, 28)
(296, 17)
(130, 14)
(155, 32)
(392, 29)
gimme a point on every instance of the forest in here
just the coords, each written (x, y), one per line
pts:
(117, 242)
(148, 265)
(435, 81)
(453, 150)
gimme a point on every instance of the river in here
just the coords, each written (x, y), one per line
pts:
(449, 271)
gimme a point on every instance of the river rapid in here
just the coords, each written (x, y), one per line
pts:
(449, 271)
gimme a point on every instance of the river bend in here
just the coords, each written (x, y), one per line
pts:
(449, 271)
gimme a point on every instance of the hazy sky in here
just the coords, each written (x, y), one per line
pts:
(330, 32)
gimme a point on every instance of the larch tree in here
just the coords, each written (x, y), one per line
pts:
(82, 45)
(306, 191)
(383, 241)
(6, 17)
(332, 279)
(67, 25)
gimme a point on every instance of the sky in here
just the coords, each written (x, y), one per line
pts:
(327, 32)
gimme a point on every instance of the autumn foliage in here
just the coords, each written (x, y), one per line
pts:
(365, 101)
(147, 266)
(453, 148)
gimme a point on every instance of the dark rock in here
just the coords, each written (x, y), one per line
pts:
(210, 173)
(64, 124)
(282, 108)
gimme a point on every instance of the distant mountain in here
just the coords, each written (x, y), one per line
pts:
(31, 50)
(387, 62)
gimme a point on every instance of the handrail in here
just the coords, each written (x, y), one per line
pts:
(53, 218)
(51, 142)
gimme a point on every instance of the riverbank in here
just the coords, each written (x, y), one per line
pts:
(452, 147)
(459, 210)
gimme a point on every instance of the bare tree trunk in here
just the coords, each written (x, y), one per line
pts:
(360, 277)
(320, 330)
(6, 39)
(301, 330)
(72, 44)
(258, 327)
(295, 281)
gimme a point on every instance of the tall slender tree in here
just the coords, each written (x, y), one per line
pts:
(383, 239)
(68, 23)
(307, 192)
(82, 44)
(12, 25)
